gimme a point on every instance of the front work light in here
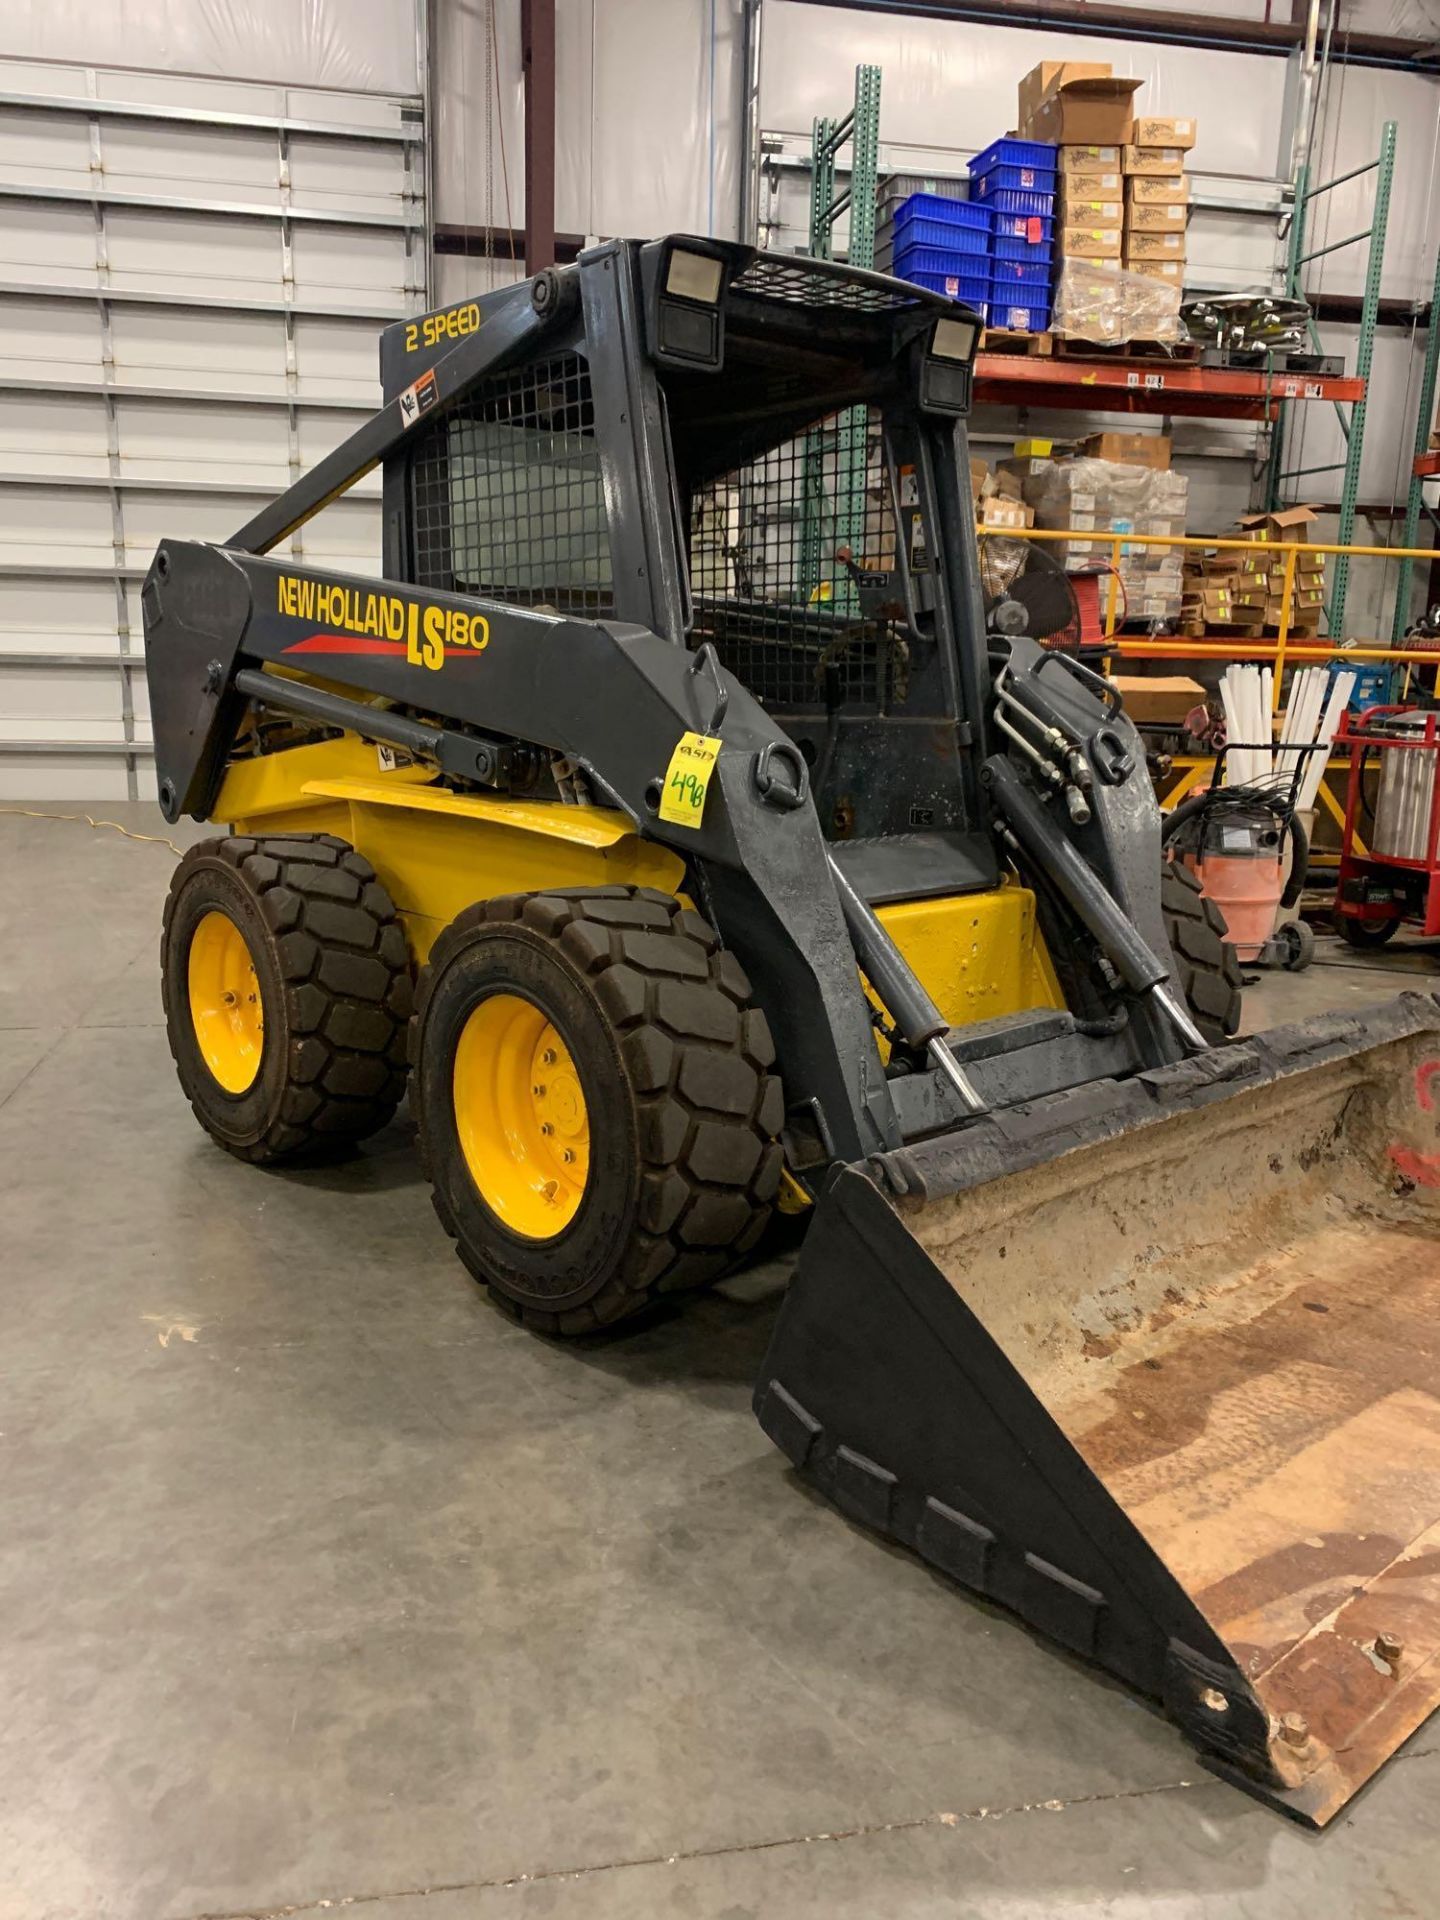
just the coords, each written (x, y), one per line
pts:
(946, 366)
(693, 276)
(955, 340)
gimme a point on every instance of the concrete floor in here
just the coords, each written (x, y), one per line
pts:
(321, 1584)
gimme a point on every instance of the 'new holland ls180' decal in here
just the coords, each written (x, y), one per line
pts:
(358, 620)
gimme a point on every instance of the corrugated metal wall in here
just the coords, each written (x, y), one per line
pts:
(193, 274)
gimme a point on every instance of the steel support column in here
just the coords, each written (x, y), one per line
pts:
(537, 52)
(1414, 498)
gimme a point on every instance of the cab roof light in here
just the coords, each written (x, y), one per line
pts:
(693, 276)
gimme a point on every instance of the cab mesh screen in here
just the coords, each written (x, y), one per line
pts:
(769, 575)
(506, 495)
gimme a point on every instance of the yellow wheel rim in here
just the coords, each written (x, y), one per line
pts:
(225, 1006)
(521, 1117)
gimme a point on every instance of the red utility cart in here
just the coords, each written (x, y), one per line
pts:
(1395, 881)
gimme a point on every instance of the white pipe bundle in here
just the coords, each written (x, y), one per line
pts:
(1339, 699)
(1312, 715)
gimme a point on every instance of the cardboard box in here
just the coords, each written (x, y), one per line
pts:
(1133, 449)
(1158, 697)
(1093, 183)
(1087, 158)
(1154, 246)
(1153, 132)
(1089, 243)
(1148, 219)
(1084, 112)
(1158, 188)
(1286, 523)
(1002, 513)
(1078, 212)
(1042, 80)
(979, 474)
(1153, 160)
(1101, 265)
(1171, 270)
(1020, 468)
(1006, 482)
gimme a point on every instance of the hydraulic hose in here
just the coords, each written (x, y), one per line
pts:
(1074, 879)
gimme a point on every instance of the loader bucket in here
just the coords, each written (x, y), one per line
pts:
(1156, 1364)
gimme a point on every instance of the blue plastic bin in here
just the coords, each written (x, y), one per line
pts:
(964, 266)
(923, 232)
(1016, 316)
(1018, 179)
(1010, 152)
(1008, 275)
(934, 206)
(1023, 226)
(1011, 200)
(1008, 246)
(953, 286)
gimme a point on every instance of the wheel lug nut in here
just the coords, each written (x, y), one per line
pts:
(549, 1056)
(539, 1092)
(1294, 1729)
(567, 1156)
(1388, 1647)
(545, 1127)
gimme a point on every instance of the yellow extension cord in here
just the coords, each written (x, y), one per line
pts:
(150, 839)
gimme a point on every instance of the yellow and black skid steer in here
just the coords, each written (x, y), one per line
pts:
(667, 823)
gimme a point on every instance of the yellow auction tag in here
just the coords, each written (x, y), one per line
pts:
(687, 779)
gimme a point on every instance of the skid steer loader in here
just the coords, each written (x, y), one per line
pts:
(666, 814)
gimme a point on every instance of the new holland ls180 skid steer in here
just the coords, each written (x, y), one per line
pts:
(668, 815)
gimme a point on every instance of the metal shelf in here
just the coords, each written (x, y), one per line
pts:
(130, 662)
(400, 134)
(224, 303)
(192, 396)
(68, 570)
(124, 749)
(233, 209)
(139, 483)
(1148, 386)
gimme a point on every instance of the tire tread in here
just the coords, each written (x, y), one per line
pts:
(1205, 961)
(348, 987)
(673, 999)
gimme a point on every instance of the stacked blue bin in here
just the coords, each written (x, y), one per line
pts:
(1015, 180)
(941, 244)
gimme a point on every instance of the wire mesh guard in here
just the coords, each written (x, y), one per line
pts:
(794, 571)
(507, 500)
(811, 283)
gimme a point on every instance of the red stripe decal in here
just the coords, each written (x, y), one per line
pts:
(345, 643)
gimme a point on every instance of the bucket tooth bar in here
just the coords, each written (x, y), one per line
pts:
(1222, 1484)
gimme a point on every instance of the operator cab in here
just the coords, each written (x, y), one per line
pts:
(817, 475)
(800, 428)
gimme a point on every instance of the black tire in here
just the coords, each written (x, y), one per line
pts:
(335, 988)
(1365, 934)
(673, 1061)
(1205, 961)
(1297, 945)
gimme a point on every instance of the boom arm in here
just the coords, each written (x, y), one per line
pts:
(612, 700)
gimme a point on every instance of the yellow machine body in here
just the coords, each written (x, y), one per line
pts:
(979, 955)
